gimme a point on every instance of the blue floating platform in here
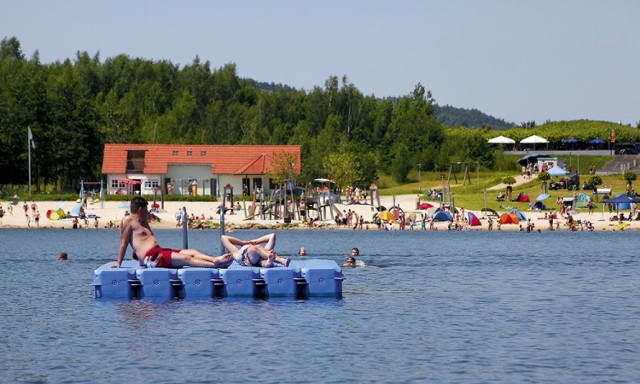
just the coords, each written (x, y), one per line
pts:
(301, 279)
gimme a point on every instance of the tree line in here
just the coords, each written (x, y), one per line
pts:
(76, 106)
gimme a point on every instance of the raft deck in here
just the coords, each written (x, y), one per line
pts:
(301, 279)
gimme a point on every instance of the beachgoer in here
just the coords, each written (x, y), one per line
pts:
(137, 233)
(63, 256)
(351, 262)
(355, 251)
(302, 251)
(251, 253)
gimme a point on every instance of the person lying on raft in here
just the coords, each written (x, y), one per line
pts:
(137, 233)
(251, 253)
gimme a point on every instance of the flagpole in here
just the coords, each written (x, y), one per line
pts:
(29, 147)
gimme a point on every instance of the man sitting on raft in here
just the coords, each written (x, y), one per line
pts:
(253, 254)
(137, 233)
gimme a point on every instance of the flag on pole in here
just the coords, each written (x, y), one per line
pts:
(33, 143)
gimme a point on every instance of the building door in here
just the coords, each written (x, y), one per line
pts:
(257, 183)
(214, 186)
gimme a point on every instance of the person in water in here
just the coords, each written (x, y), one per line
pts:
(251, 253)
(351, 262)
(136, 232)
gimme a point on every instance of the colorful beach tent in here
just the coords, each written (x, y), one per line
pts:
(582, 200)
(509, 218)
(523, 198)
(519, 214)
(442, 216)
(473, 219)
(539, 205)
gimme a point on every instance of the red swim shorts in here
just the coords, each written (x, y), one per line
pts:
(161, 256)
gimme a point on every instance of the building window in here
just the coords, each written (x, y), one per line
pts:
(116, 184)
(189, 153)
(150, 184)
(203, 153)
(135, 161)
(174, 153)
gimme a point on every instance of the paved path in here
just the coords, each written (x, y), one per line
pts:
(519, 180)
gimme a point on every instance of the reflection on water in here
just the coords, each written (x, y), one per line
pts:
(444, 307)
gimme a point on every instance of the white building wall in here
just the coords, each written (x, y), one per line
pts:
(180, 176)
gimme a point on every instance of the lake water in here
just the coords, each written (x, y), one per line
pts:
(463, 307)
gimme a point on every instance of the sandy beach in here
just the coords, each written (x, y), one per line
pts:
(114, 211)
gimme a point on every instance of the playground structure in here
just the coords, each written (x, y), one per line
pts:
(83, 194)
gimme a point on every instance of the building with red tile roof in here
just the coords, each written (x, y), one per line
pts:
(189, 169)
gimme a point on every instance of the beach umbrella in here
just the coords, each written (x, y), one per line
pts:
(533, 139)
(597, 141)
(425, 206)
(543, 196)
(501, 140)
(386, 215)
(570, 141)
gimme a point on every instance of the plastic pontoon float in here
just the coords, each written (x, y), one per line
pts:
(301, 279)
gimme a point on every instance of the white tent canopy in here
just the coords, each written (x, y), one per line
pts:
(501, 140)
(534, 140)
(557, 171)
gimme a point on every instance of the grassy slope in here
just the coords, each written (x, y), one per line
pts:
(471, 196)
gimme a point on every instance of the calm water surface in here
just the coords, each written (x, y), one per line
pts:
(467, 307)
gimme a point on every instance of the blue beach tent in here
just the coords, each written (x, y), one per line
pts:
(520, 215)
(442, 216)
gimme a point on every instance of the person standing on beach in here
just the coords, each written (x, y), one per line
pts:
(137, 233)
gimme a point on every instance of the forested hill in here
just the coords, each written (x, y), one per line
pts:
(447, 115)
(470, 118)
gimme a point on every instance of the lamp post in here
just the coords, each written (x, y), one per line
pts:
(442, 178)
(420, 176)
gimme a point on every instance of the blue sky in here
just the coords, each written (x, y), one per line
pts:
(516, 60)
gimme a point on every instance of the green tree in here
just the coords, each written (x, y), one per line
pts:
(344, 168)
(630, 177)
(595, 181)
(283, 166)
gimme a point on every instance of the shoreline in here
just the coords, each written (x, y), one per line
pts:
(114, 211)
